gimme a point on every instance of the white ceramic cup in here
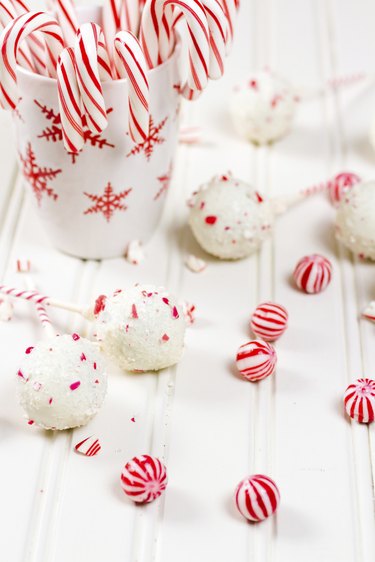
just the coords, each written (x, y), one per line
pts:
(113, 192)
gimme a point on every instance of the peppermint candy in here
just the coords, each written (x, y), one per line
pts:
(88, 447)
(256, 360)
(359, 400)
(269, 321)
(340, 185)
(313, 273)
(257, 497)
(144, 479)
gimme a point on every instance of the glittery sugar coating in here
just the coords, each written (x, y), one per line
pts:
(263, 108)
(243, 219)
(355, 220)
(134, 326)
(57, 388)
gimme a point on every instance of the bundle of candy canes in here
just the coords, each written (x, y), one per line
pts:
(135, 36)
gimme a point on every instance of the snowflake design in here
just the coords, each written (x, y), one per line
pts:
(148, 145)
(54, 132)
(38, 177)
(164, 180)
(107, 203)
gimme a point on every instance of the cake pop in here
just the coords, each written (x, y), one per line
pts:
(230, 219)
(263, 108)
(140, 328)
(355, 220)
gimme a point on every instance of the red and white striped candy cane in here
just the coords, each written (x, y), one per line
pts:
(35, 40)
(70, 102)
(230, 8)
(156, 43)
(131, 64)
(218, 28)
(67, 17)
(93, 67)
(10, 40)
(111, 16)
(7, 14)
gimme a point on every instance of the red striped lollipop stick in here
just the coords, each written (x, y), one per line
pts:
(155, 37)
(131, 64)
(70, 102)
(10, 41)
(93, 67)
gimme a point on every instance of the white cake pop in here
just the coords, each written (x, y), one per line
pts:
(355, 220)
(141, 328)
(62, 382)
(263, 107)
(229, 218)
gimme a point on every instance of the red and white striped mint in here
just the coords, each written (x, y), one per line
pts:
(144, 479)
(340, 185)
(313, 273)
(88, 447)
(269, 321)
(256, 360)
(257, 497)
(359, 400)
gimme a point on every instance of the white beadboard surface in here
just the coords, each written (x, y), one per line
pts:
(210, 427)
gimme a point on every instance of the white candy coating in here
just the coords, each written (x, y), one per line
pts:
(355, 220)
(263, 108)
(229, 218)
(141, 328)
(62, 382)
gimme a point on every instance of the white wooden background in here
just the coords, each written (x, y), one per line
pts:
(210, 427)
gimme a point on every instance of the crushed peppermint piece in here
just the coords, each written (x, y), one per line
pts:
(165, 300)
(100, 304)
(29, 350)
(89, 447)
(30, 422)
(76, 337)
(132, 420)
(175, 313)
(211, 220)
(20, 374)
(83, 357)
(195, 264)
(189, 312)
(135, 253)
(75, 385)
(165, 337)
(50, 401)
(134, 311)
(94, 365)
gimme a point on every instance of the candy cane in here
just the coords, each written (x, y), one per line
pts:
(67, 17)
(70, 102)
(35, 40)
(230, 8)
(218, 28)
(7, 14)
(93, 66)
(131, 64)
(111, 22)
(10, 40)
(155, 37)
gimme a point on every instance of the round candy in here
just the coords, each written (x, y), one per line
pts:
(256, 360)
(229, 218)
(355, 220)
(340, 185)
(257, 497)
(144, 479)
(269, 321)
(62, 382)
(359, 400)
(313, 273)
(141, 328)
(263, 108)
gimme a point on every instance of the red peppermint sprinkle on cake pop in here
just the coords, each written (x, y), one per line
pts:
(269, 321)
(359, 400)
(313, 273)
(257, 497)
(144, 479)
(256, 360)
